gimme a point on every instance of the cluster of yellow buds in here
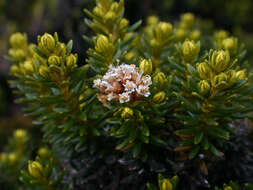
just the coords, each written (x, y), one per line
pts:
(190, 50)
(16, 153)
(225, 42)
(109, 13)
(21, 53)
(151, 23)
(9, 158)
(162, 32)
(216, 74)
(56, 60)
(159, 33)
(187, 21)
(185, 28)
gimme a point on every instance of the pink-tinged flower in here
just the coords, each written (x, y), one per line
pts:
(123, 83)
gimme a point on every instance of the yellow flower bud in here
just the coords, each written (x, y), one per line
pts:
(160, 79)
(98, 11)
(35, 169)
(231, 77)
(166, 185)
(204, 70)
(61, 49)
(28, 67)
(114, 7)
(219, 60)
(103, 45)
(130, 55)
(190, 50)
(228, 188)
(17, 54)
(20, 135)
(3, 157)
(110, 16)
(31, 51)
(220, 80)
(152, 20)
(163, 31)
(240, 75)
(54, 60)
(188, 20)
(204, 87)
(159, 97)
(14, 69)
(230, 44)
(220, 35)
(12, 158)
(154, 43)
(127, 113)
(47, 41)
(44, 71)
(18, 40)
(146, 66)
(195, 35)
(43, 152)
(71, 61)
(180, 34)
(123, 23)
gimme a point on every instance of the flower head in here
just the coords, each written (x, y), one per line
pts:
(123, 83)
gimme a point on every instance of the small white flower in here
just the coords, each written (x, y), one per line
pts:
(130, 86)
(121, 82)
(146, 80)
(124, 97)
(143, 90)
(97, 83)
(110, 96)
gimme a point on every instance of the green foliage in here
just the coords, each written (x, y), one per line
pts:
(164, 183)
(159, 87)
(42, 174)
(13, 158)
(171, 184)
(234, 186)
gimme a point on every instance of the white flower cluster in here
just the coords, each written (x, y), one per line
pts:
(123, 83)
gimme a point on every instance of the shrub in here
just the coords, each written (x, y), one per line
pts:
(157, 99)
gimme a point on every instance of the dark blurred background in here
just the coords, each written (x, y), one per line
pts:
(35, 17)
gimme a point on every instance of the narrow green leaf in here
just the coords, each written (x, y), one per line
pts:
(134, 26)
(198, 137)
(194, 152)
(69, 47)
(215, 151)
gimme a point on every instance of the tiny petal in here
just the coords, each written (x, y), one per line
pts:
(124, 97)
(130, 86)
(146, 80)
